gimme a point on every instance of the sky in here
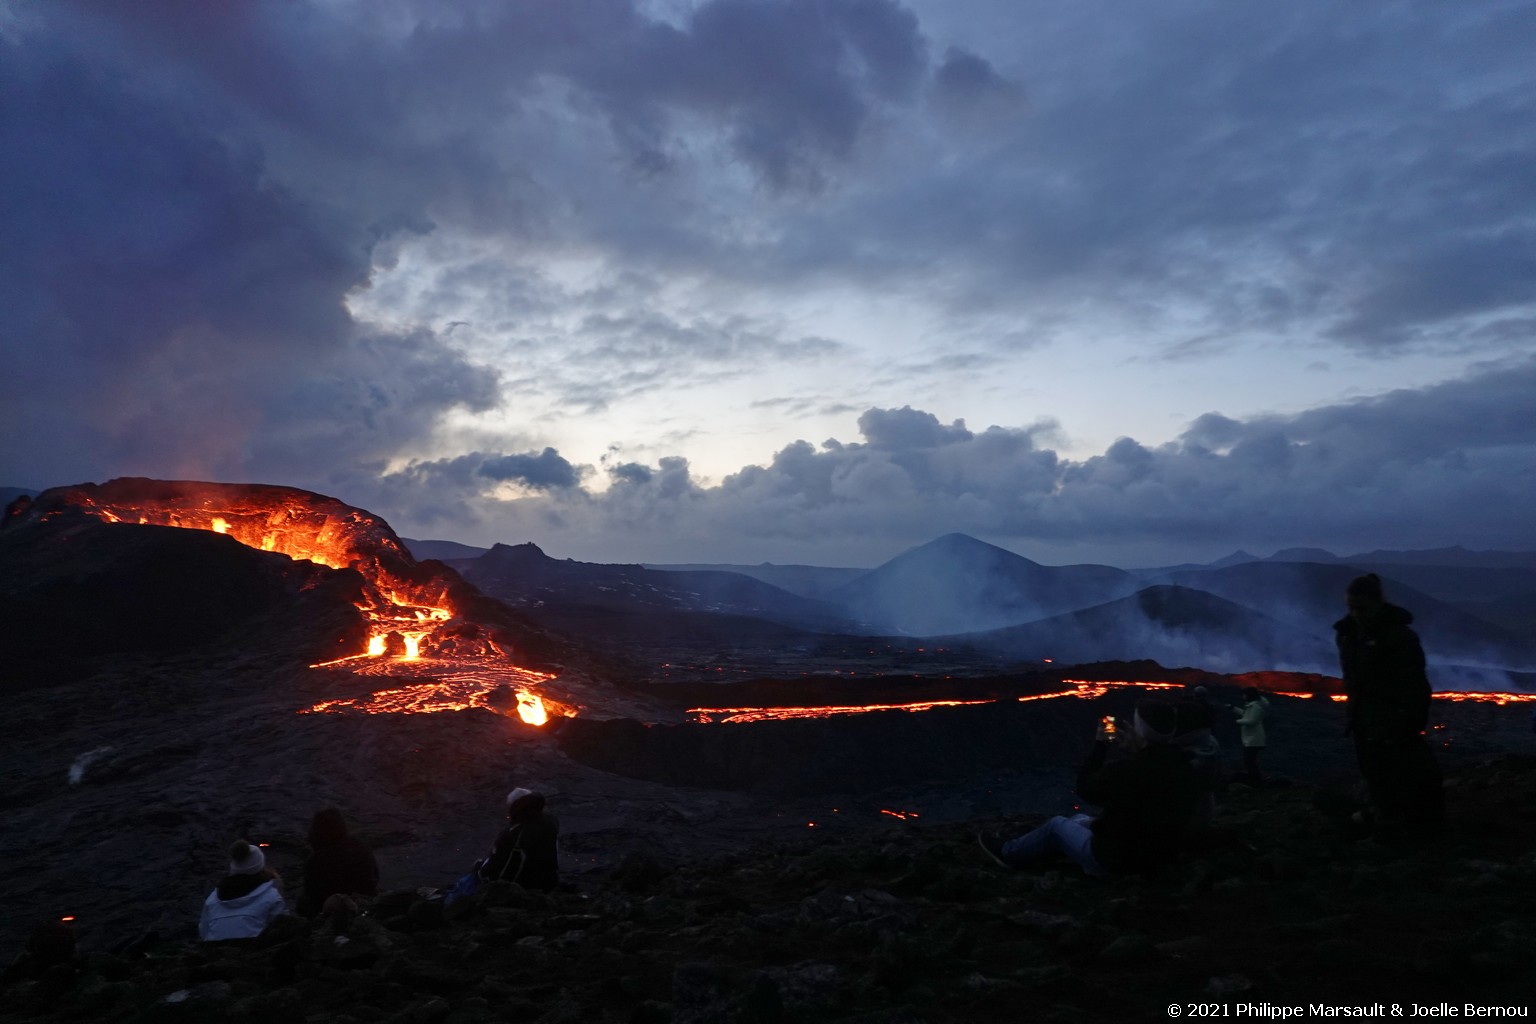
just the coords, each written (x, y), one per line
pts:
(786, 280)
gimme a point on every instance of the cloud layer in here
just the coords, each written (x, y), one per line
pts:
(441, 257)
(1454, 463)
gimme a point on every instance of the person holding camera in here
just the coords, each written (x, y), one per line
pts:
(1147, 799)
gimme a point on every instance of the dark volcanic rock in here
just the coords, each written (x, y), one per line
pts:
(838, 753)
(841, 929)
(81, 588)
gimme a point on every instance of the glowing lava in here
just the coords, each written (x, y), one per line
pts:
(1084, 689)
(737, 715)
(452, 686)
(414, 629)
(299, 524)
(531, 709)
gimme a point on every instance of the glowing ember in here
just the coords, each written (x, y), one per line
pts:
(531, 709)
(903, 815)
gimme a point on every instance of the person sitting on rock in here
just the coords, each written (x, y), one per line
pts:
(526, 850)
(1148, 801)
(1250, 721)
(246, 900)
(338, 864)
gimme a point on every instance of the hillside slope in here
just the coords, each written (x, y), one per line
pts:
(908, 924)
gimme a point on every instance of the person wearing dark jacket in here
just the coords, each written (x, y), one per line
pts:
(337, 864)
(1387, 707)
(526, 851)
(1148, 801)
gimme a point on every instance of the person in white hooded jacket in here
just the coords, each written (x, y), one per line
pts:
(245, 901)
(1250, 719)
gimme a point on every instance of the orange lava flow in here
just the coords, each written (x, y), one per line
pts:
(448, 689)
(1089, 689)
(321, 531)
(433, 660)
(1485, 697)
(738, 715)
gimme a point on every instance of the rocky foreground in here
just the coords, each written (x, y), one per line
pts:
(1282, 905)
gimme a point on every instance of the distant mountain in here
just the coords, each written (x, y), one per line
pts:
(1317, 556)
(958, 584)
(524, 576)
(1174, 626)
(1458, 584)
(442, 550)
(813, 581)
(1516, 614)
(1456, 556)
(1311, 597)
(1157, 572)
(10, 494)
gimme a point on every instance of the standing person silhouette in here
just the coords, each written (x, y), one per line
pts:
(1388, 695)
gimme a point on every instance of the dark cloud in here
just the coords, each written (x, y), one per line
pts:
(1299, 170)
(193, 192)
(909, 428)
(1446, 464)
(196, 197)
(544, 471)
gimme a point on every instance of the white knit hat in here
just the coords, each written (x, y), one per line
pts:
(250, 864)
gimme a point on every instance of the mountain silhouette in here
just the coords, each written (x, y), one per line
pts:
(1168, 624)
(958, 584)
(1311, 597)
(523, 576)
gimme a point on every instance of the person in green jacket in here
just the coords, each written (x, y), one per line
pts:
(1250, 721)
